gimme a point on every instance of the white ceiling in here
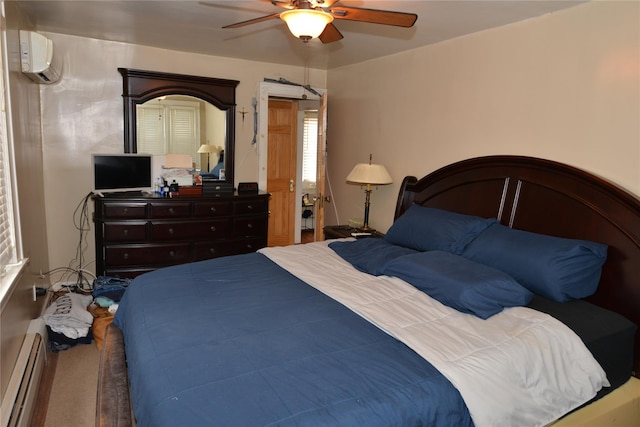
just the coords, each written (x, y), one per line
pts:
(196, 26)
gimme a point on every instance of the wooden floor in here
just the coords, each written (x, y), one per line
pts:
(306, 236)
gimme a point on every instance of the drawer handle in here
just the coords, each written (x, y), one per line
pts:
(249, 226)
(172, 254)
(125, 232)
(212, 208)
(249, 246)
(171, 210)
(212, 228)
(212, 251)
(171, 231)
(125, 255)
(250, 207)
(125, 210)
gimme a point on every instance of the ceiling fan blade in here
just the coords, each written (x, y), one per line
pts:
(330, 34)
(253, 21)
(387, 17)
(326, 3)
(285, 4)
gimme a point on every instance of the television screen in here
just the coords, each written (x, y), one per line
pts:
(122, 172)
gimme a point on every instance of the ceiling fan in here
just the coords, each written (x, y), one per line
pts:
(308, 19)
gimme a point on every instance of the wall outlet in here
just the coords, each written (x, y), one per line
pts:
(38, 291)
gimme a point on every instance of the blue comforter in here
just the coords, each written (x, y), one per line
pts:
(238, 341)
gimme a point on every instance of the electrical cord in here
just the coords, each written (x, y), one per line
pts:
(70, 275)
(74, 277)
(82, 223)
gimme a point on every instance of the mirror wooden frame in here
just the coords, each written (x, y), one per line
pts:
(139, 86)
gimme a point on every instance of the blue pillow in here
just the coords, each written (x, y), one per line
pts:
(369, 255)
(467, 286)
(556, 268)
(429, 229)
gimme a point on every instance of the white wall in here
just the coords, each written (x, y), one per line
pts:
(83, 114)
(564, 87)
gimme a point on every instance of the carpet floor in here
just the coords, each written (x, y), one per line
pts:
(72, 401)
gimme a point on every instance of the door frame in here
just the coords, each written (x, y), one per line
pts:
(265, 91)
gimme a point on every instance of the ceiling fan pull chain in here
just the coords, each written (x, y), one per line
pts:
(306, 66)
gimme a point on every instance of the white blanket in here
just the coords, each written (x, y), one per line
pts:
(518, 368)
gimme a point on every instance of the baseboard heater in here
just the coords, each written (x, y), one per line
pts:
(19, 400)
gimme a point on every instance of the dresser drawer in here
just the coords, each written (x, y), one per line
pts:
(171, 231)
(122, 210)
(129, 255)
(213, 229)
(249, 226)
(128, 273)
(206, 250)
(250, 206)
(249, 245)
(171, 209)
(125, 231)
(212, 208)
(193, 230)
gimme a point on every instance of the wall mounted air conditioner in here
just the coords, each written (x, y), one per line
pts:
(37, 59)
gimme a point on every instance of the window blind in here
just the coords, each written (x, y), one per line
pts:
(310, 146)
(7, 232)
(168, 128)
(151, 124)
(184, 130)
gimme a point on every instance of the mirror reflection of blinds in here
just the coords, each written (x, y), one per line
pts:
(151, 130)
(183, 130)
(310, 146)
(168, 129)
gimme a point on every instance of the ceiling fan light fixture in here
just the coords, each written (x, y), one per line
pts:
(306, 23)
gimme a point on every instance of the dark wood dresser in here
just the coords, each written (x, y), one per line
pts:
(137, 233)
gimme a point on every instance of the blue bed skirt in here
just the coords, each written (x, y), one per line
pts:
(238, 341)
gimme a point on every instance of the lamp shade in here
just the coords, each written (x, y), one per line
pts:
(206, 148)
(306, 23)
(366, 173)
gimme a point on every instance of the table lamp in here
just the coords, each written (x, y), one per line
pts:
(208, 149)
(368, 174)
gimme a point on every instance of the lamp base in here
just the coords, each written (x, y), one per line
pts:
(366, 229)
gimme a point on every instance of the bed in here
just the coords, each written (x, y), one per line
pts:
(329, 334)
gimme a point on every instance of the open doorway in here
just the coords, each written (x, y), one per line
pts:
(306, 208)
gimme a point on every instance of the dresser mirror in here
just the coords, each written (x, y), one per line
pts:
(168, 113)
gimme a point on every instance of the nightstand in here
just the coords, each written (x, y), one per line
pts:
(341, 231)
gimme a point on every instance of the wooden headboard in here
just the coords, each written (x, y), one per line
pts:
(546, 197)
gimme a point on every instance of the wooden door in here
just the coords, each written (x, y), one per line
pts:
(281, 171)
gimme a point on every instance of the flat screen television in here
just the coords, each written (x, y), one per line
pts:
(122, 172)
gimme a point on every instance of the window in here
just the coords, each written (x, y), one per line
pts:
(10, 256)
(310, 146)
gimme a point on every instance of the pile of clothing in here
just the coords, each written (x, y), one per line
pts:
(107, 292)
(68, 321)
(75, 318)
